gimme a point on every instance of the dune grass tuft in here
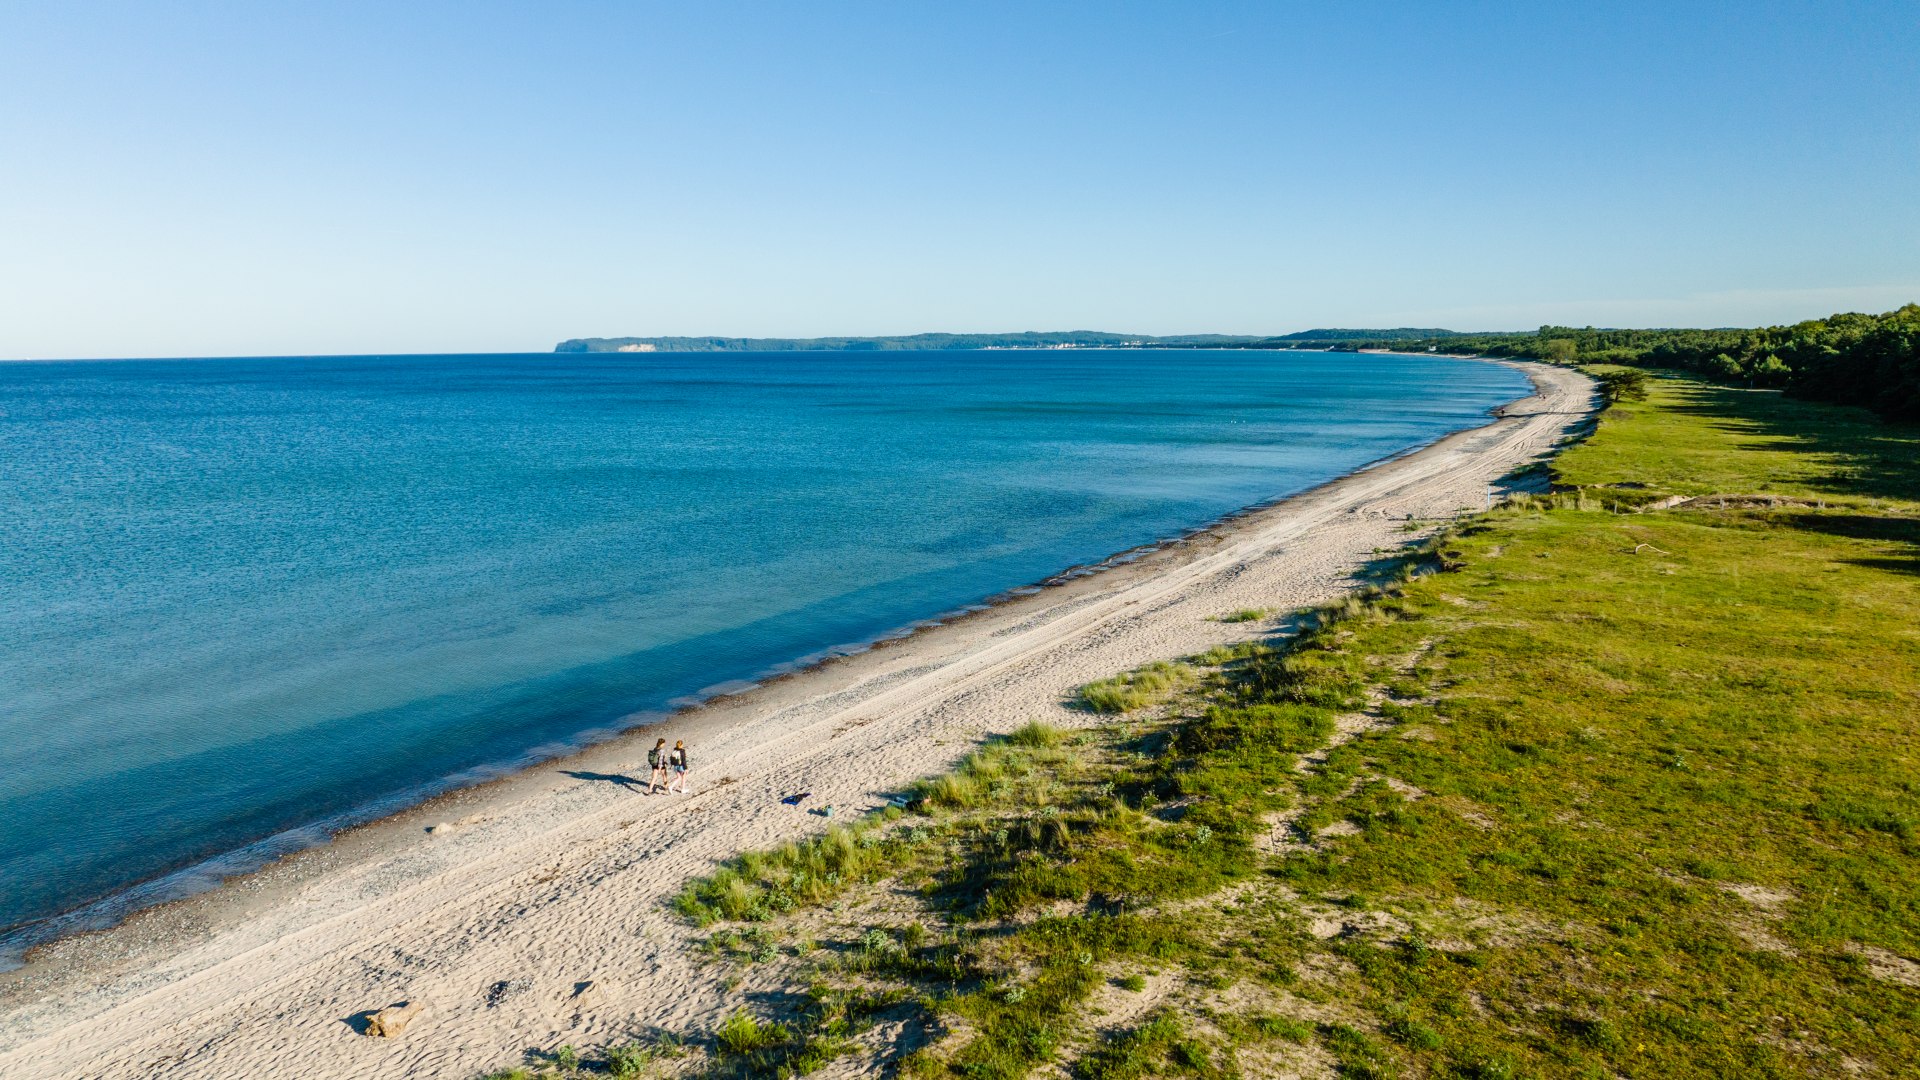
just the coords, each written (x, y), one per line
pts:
(761, 884)
(1137, 689)
(742, 1034)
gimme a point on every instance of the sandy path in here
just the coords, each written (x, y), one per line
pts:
(557, 876)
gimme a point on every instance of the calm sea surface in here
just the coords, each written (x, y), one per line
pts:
(241, 597)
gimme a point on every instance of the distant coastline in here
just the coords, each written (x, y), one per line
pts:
(1061, 339)
(1847, 358)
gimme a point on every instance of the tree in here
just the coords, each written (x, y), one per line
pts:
(1561, 350)
(1623, 384)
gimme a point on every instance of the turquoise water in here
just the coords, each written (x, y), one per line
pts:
(244, 601)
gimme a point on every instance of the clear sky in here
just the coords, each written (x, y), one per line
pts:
(185, 179)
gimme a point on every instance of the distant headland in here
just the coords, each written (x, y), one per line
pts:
(1064, 339)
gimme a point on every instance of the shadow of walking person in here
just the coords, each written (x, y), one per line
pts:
(624, 781)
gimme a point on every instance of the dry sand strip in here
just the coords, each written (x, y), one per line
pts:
(558, 876)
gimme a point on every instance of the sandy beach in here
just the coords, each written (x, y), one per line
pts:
(491, 906)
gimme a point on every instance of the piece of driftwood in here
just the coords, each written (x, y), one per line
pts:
(393, 1019)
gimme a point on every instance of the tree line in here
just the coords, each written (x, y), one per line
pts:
(1849, 359)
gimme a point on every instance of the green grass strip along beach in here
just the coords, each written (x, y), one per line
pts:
(1617, 781)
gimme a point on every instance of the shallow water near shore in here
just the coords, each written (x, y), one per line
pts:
(250, 596)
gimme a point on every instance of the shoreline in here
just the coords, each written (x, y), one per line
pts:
(108, 979)
(20, 944)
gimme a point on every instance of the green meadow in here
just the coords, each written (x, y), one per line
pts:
(1620, 781)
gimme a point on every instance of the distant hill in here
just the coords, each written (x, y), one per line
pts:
(1026, 340)
(1404, 333)
(904, 343)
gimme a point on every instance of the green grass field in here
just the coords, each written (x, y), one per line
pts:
(1583, 791)
(1695, 438)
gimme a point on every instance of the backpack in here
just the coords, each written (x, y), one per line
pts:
(653, 758)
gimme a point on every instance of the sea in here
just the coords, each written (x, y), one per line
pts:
(247, 602)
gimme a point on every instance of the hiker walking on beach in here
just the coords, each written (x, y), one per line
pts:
(677, 761)
(657, 761)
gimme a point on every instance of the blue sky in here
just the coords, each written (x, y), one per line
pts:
(280, 178)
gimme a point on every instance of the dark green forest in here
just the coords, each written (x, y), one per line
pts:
(1848, 359)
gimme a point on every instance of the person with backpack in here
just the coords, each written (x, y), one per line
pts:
(657, 761)
(677, 761)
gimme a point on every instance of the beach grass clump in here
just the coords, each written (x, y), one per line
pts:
(1222, 655)
(1315, 672)
(1036, 734)
(1159, 1047)
(743, 1034)
(1149, 685)
(627, 1059)
(761, 884)
(1027, 766)
(1244, 615)
(822, 1028)
(1014, 1031)
(1282, 1027)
